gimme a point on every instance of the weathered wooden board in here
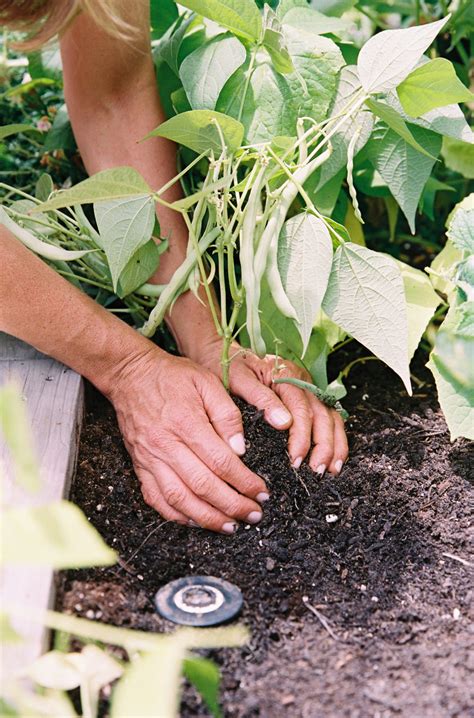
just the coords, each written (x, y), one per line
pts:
(54, 399)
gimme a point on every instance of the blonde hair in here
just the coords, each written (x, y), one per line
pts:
(43, 19)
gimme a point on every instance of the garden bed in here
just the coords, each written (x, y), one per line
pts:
(366, 616)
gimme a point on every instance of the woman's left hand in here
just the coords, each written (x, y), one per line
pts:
(285, 406)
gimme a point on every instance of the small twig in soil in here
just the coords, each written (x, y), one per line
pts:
(121, 562)
(323, 621)
(458, 558)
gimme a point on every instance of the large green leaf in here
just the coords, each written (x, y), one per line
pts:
(389, 56)
(432, 84)
(274, 42)
(124, 226)
(334, 8)
(269, 103)
(422, 302)
(308, 20)
(459, 156)
(198, 130)
(461, 224)
(366, 298)
(304, 263)
(206, 70)
(56, 535)
(405, 170)
(163, 13)
(14, 426)
(448, 121)
(115, 183)
(396, 123)
(139, 269)
(452, 364)
(240, 16)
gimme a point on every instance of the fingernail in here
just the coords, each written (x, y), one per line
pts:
(237, 444)
(254, 517)
(193, 524)
(321, 469)
(338, 466)
(229, 528)
(261, 498)
(279, 417)
(297, 462)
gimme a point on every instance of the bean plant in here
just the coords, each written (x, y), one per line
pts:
(273, 127)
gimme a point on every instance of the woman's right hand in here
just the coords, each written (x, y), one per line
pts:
(184, 435)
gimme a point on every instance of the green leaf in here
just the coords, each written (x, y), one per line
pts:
(448, 121)
(44, 187)
(56, 535)
(206, 70)
(163, 13)
(305, 19)
(198, 130)
(422, 301)
(15, 427)
(456, 400)
(8, 633)
(285, 6)
(269, 104)
(60, 136)
(139, 269)
(161, 670)
(304, 263)
(240, 16)
(404, 169)
(389, 56)
(333, 7)
(452, 365)
(458, 156)
(443, 268)
(325, 197)
(366, 298)
(433, 84)
(205, 677)
(124, 226)
(274, 42)
(8, 130)
(169, 45)
(396, 123)
(461, 224)
(115, 183)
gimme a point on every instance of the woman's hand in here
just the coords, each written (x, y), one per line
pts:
(183, 433)
(285, 406)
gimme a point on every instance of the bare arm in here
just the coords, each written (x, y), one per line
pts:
(113, 102)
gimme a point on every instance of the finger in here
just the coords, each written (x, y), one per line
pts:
(297, 403)
(249, 388)
(341, 448)
(323, 437)
(153, 496)
(223, 414)
(217, 456)
(179, 497)
(207, 486)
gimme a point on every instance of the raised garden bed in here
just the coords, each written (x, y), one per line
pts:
(365, 616)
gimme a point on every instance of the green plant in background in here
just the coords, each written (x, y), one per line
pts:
(283, 146)
(60, 536)
(452, 358)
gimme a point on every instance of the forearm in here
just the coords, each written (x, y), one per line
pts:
(108, 124)
(40, 307)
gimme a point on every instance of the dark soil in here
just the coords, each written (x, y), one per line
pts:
(389, 581)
